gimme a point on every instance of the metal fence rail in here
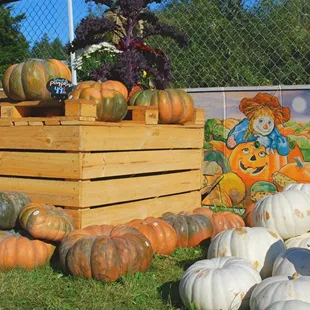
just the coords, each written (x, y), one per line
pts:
(232, 42)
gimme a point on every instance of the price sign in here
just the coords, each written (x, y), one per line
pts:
(59, 87)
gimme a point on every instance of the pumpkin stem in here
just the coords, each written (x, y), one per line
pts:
(299, 162)
(295, 276)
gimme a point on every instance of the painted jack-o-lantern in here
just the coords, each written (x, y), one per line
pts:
(251, 162)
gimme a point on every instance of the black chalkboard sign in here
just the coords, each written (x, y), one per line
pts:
(59, 87)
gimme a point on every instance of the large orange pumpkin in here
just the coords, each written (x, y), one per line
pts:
(46, 222)
(19, 251)
(27, 80)
(253, 164)
(175, 106)
(105, 252)
(161, 235)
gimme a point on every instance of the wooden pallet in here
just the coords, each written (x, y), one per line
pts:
(103, 172)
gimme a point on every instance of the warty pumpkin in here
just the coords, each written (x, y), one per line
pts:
(23, 252)
(45, 221)
(175, 106)
(27, 80)
(11, 203)
(105, 252)
(191, 228)
(161, 235)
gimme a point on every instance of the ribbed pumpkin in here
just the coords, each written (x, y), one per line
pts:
(11, 203)
(175, 106)
(221, 220)
(161, 235)
(105, 252)
(27, 80)
(46, 221)
(19, 251)
(191, 228)
(111, 103)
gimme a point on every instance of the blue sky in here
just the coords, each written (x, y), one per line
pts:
(49, 16)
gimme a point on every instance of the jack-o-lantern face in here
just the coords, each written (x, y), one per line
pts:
(252, 163)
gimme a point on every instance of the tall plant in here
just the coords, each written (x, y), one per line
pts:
(121, 20)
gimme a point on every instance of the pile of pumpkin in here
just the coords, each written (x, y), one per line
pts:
(27, 81)
(266, 266)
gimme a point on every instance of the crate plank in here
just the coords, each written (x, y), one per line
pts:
(95, 193)
(63, 193)
(124, 212)
(140, 137)
(97, 165)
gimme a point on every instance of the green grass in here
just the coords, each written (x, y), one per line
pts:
(48, 288)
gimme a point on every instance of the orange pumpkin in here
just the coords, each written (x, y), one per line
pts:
(107, 85)
(46, 222)
(218, 197)
(175, 106)
(161, 235)
(221, 220)
(298, 171)
(19, 251)
(252, 163)
(27, 80)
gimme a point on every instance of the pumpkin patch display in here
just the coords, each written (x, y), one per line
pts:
(235, 277)
(191, 228)
(292, 260)
(175, 106)
(221, 220)
(286, 213)
(161, 235)
(11, 203)
(258, 245)
(27, 80)
(280, 288)
(19, 251)
(46, 222)
(105, 252)
(111, 103)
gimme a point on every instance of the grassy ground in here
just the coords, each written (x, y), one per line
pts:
(48, 288)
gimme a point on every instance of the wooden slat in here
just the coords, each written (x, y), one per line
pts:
(63, 193)
(97, 165)
(140, 137)
(124, 212)
(40, 137)
(110, 191)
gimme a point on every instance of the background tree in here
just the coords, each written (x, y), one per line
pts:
(13, 44)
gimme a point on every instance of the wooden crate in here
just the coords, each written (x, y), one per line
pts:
(103, 172)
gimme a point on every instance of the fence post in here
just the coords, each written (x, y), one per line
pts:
(71, 37)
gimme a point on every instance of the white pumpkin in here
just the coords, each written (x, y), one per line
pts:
(304, 187)
(258, 245)
(279, 288)
(302, 241)
(292, 260)
(286, 213)
(289, 305)
(219, 283)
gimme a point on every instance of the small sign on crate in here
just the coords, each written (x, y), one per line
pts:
(59, 88)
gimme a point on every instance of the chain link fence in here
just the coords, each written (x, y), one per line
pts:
(232, 42)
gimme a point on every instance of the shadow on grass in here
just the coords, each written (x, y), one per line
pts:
(169, 292)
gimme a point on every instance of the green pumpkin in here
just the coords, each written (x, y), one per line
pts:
(219, 158)
(11, 204)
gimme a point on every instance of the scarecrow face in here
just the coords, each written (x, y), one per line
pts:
(263, 125)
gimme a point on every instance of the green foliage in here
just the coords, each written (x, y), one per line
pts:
(13, 45)
(45, 49)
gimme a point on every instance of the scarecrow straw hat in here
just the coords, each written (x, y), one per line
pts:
(248, 106)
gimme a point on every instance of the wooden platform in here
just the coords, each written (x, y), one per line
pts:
(103, 172)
